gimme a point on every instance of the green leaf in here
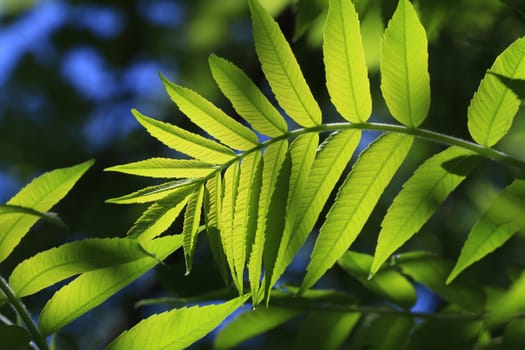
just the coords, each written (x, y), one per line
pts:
(154, 193)
(14, 337)
(494, 105)
(17, 209)
(212, 213)
(92, 288)
(160, 215)
(250, 324)
(325, 330)
(249, 102)
(186, 142)
(405, 82)
(355, 201)
(388, 283)
(502, 219)
(419, 199)
(431, 271)
(245, 215)
(510, 305)
(282, 70)
(56, 264)
(382, 332)
(516, 85)
(166, 168)
(274, 156)
(40, 195)
(331, 160)
(190, 230)
(210, 118)
(231, 183)
(175, 329)
(344, 59)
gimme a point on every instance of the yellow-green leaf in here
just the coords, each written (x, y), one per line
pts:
(153, 193)
(186, 142)
(344, 59)
(190, 230)
(166, 168)
(175, 329)
(282, 70)
(355, 201)
(419, 199)
(249, 102)
(40, 195)
(494, 105)
(405, 82)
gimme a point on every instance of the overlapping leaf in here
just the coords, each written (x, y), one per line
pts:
(210, 118)
(405, 82)
(166, 168)
(335, 327)
(419, 199)
(498, 223)
(248, 101)
(92, 288)
(40, 195)
(175, 329)
(344, 60)
(282, 70)
(355, 201)
(192, 219)
(186, 142)
(17, 209)
(54, 265)
(494, 105)
(153, 193)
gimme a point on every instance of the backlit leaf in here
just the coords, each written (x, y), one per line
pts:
(355, 201)
(40, 195)
(344, 59)
(192, 219)
(153, 193)
(166, 168)
(210, 118)
(175, 329)
(186, 142)
(419, 199)
(510, 305)
(502, 219)
(51, 266)
(92, 288)
(494, 105)
(405, 82)
(282, 70)
(17, 209)
(248, 101)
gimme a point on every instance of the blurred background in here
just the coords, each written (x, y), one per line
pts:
(70, 71)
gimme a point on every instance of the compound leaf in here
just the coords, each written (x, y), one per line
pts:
(166, 168)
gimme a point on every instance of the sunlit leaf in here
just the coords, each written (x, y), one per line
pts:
(166, 168)
(344, 59)
(502, 219)
(405, 82)
(160, 215)
(175, 329)
(154, 193)
(431, 271)
(325, 330)
(494, 105)
(192, 219)
(274, 156)
(248, 101)
(282, 70)
(389, 283)
(419, 199)
(355, 201)
(250, 324)
(48, 267)
(92, 288)
(210, 118)
(17, 209)
(186, 142)
(331, 160)
(40, 195)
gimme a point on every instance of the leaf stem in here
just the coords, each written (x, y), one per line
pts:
(23, 313)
